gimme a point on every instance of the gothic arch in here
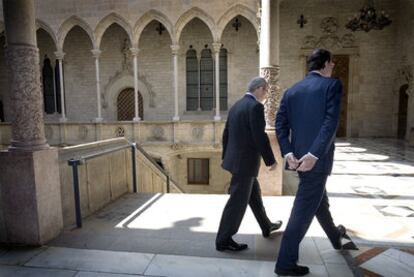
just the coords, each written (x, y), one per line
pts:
(106, 22)
(122, 81)
(146, 19)
(232, 13)
(68, 25)
(42, 25)
(190, 15)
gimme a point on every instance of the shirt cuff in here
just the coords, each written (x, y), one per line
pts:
(313, 156)
(288, 154)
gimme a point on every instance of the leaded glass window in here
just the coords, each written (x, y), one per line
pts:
(206, 80)
(192, 80)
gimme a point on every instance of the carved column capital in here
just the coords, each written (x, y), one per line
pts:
(134, 51)
(216, 47)
(274, 93)
(96, 53)
(175, 48)
(59, 55)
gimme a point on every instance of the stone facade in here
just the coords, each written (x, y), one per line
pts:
(375, 58)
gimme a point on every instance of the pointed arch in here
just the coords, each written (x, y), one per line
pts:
(232, 13)
(44, 26)
(147, 18)
(68, 25)
(106, 22)
(190, 15)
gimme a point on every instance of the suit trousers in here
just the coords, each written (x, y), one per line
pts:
(311, 199)
(244, 190)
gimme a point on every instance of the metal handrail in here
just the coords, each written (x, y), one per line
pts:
(74, 163)
(162, 170)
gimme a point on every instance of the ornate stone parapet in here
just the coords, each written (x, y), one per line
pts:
(26, 97)
(274, 94)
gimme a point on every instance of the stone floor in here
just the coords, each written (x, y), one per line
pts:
(371, 192)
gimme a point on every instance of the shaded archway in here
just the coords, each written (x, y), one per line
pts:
(148, 18)
(125, 105)
(239, 39)
(196, 39)
(79, 76)
(47, 47)
(67, 27)
(402, 112)
(107, 22)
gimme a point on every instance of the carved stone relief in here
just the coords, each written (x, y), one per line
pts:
(274, 93)
(197, 133)
(329, 38)
(157, 133)
(82, 132)
(120, 132)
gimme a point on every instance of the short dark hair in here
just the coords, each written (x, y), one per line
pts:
(318, 58)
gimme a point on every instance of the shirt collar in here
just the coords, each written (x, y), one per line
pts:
(251, 94)
(316, 72)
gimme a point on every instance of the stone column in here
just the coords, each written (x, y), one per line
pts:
(269, 57)
(59, 56)
(96, 53)
(175, 48)
(199, 80)
(271, 181)
(216, 51)
(134, 52)
(22, 58)
(29, 181)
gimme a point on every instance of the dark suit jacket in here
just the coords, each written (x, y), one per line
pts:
(245, 140)
(309, 114)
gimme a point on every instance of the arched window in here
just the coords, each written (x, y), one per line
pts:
(48, 87)
(126, 105)
(223, 79)
(57, 87)
(206, 80)
(192, 80)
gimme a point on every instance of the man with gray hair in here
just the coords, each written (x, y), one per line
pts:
(244, 143)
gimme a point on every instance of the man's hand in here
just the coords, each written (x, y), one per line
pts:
(307, 162)
(272, 167)
(292, 161)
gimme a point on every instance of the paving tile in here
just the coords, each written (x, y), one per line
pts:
(92, 260)
(20, 255)
(100, 274)
(20, 271)
(184, 266)
(392, 262)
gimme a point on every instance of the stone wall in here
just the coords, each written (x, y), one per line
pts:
(102, 179)
(373, 66)
(406, 68)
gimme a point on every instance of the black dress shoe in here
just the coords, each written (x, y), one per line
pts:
(298, 270)
(273, 229)
(232, 246)
(342, 234)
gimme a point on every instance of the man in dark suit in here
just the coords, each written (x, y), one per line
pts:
(244, 143)
(306, 126)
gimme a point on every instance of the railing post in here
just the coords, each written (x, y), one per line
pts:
(134, 167)
(74, 163)
(168, 183)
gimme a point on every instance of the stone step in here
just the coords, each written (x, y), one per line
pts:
(86, 262)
